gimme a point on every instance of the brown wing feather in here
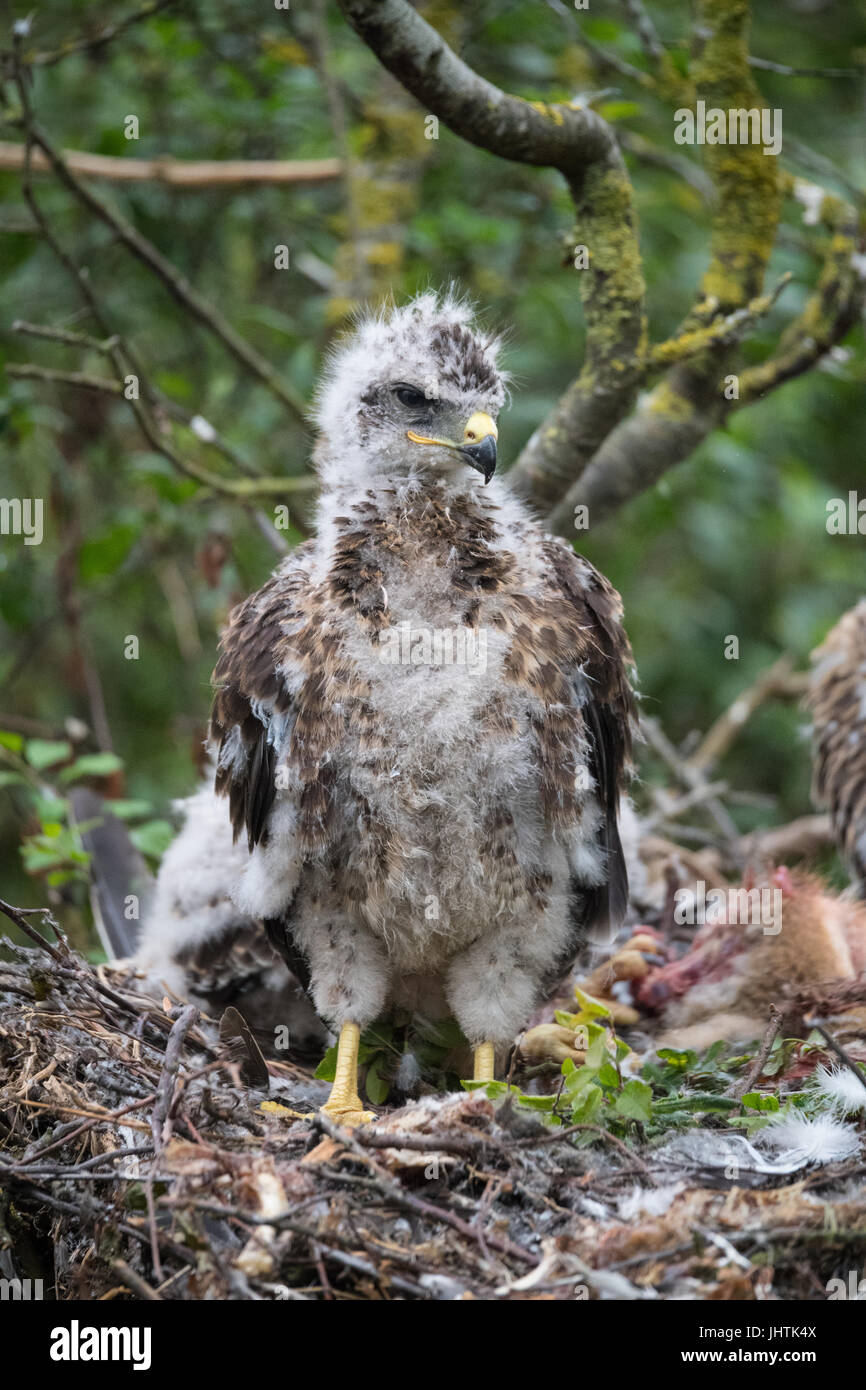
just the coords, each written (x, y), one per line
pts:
(248, 680)
(602, 678)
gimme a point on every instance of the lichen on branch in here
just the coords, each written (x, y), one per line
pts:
(575, 140)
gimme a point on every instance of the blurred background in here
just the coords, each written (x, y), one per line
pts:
(732, 542)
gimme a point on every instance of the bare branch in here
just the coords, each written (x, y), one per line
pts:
(744, 1084)
(678, 164)
(644, 28)
(96, 41)
(802, 838)
(767, 65)
(30, 371)
(176, 284)
(247, 489)
(178, 173)
(729, 725)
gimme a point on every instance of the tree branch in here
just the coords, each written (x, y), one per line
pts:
(178, 173)
(688, 403)
(564, 136)
(176, 284)
(719, 333)
(829, 313)
(576, 141)
(247, 489)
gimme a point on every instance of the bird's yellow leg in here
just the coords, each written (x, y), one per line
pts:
(485, 1062)
(344, 1104)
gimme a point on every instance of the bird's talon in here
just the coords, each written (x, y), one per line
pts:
(348, 1112)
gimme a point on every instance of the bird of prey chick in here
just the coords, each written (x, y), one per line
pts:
(421, 722)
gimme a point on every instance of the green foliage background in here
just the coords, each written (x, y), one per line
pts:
(731, 542)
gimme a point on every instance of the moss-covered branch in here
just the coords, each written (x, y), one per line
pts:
(721, 332)
(828, 314)
(576, 141)
(689, 402)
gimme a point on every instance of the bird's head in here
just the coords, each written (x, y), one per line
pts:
(414, 392)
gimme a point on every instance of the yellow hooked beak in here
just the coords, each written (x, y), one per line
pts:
(478, 446)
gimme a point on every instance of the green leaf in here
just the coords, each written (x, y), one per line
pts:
(492, 1088)
(756, 1100)
(543, 1103)
(58, 877)
(153, 838)
(608, 1075)
(597, 1053)
(12, 779)
(92, 765)
(14, 742)
(579, 1079)
(590, 1008)
(375, 1084)
(635, 1101)
(680, 60)
(586, 1106)
(41, 752)
(104, 553)
(327, 1068)
(675, 1058)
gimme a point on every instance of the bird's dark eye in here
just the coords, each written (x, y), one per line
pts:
(410, 396)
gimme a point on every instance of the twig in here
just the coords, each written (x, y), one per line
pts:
(201, 428)
(691, 777)
(95, 42)
(243, 488)
(160, 1121)
(179, 173)
(383, 1180)
(668, 810)
(742, 1085)
(721, 333)
(803, 837)
(134, 1281)
(30, 371)
(839, 1050)
(19, 915)
(767, 65)
(727, 727)
(644, 28)
(176, 284)
(62, 335)
(677, 164)
(556, 1135)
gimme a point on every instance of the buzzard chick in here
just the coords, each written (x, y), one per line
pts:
(837, 701)
(423, 718)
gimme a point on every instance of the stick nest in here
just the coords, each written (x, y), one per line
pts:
(135, 1163)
